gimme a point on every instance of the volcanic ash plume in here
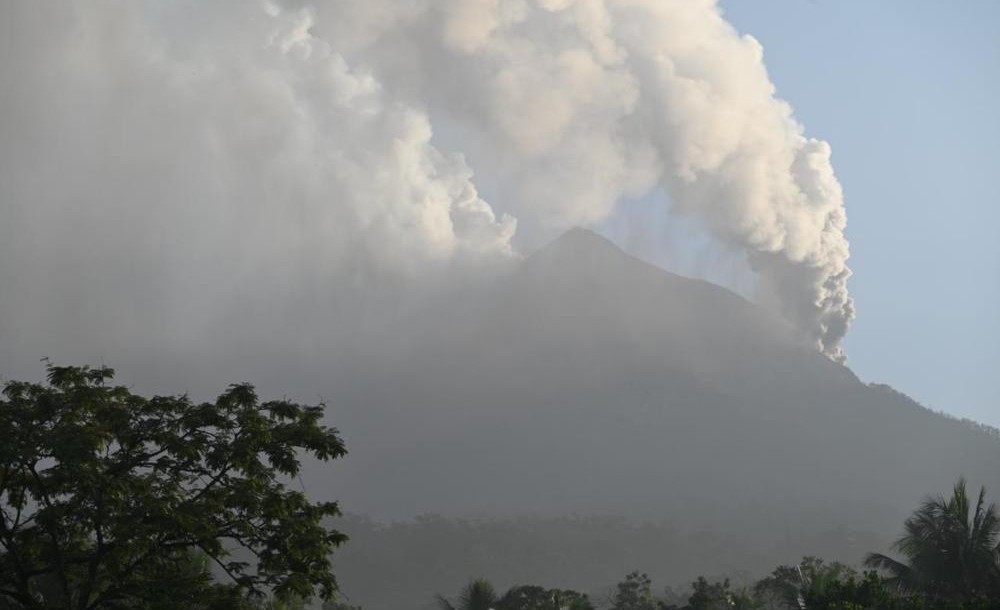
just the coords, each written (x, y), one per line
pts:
(287, 144)
(567, 107)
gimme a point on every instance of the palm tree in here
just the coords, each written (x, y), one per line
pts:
(953, 551)
(477, 595)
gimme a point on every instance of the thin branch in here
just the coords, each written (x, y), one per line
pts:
(64, 581)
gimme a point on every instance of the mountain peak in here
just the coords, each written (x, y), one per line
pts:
(578, 248)
(579, 240)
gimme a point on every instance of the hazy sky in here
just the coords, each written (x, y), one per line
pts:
(906, 93)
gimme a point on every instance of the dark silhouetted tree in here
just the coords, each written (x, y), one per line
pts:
(719, 596)
(112, 500)
(634, 593)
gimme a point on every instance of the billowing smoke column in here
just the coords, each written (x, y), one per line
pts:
(569, 106)
(276, 142)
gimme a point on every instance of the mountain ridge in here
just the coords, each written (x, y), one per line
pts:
(581, 319)
(589, 382)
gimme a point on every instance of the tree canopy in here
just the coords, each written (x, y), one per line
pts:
(110, 500)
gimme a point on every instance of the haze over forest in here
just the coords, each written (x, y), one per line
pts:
(389, 207)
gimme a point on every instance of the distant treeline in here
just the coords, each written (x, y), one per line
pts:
(386, 565)
(971, 423)
(810, 585)
(947, 558)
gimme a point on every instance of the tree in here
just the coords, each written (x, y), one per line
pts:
(634, 593)
(952, 549)
(109, 499)
(530, 597)
(792, 586)
(719, 596)
(477, 595)
(850, 591)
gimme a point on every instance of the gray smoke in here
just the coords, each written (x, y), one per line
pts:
(162, 161)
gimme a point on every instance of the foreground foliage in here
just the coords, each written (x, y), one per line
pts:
(112, 500)
(952, 549)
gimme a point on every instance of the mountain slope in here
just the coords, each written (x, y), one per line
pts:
(588, 382)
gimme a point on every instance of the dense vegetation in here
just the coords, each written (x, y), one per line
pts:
(112, 500)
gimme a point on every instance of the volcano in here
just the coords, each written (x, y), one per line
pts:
(590, 383)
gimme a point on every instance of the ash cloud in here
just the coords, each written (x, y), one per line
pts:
(571, 106)
(172, 169)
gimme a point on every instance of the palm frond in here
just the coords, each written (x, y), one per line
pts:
(900, 574)
(953, 548)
